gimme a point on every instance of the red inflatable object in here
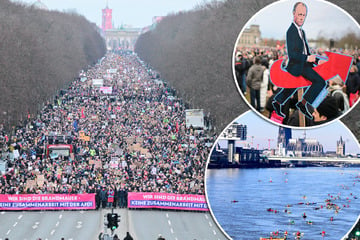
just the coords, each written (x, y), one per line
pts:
(337, 64)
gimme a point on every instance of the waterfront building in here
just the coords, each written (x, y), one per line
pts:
(305, 147)
(234, 156)
(236, 130)
(283, 140)
(340, 147)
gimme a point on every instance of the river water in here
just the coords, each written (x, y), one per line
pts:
(253, 203)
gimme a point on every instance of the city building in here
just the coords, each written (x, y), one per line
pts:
(40, 5)
(250, 37)
(106, 19)
(233, 157)
(236, 130)
(120, 38)
(340, 147)
(304, 147)
(283, 140)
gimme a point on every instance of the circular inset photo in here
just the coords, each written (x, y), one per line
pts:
(284, 183)
(297, 63)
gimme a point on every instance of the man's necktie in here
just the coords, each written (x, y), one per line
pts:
(303, 40)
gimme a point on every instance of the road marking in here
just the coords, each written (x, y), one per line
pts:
(167, 215)
(15, 224)
(172, 230)
(57, 223)
(8, 232)
(79, 224)
(206, 216)
(214, 232)
(210, 224)
(60, 216)
(169, 222)
(2, 213)
(52, 232)
(19, 217)
(36, 225)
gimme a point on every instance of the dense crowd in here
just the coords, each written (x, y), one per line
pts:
(137, 138)
(260, 92)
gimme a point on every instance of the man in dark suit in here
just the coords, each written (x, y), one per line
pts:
(300, 64)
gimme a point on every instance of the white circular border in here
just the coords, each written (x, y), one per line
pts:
(267, 122)
(234, 60)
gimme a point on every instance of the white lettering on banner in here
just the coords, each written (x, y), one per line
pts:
(58, 198)
(47, 201)
(170, 201)
(163, 197)
(148, 196)
(185, 198)
(13, 198)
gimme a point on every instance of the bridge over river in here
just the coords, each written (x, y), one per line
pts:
(315, 161)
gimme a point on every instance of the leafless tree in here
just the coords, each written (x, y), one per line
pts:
(40, 52)
(193, 52)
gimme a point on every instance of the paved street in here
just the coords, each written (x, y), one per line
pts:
(79, 225)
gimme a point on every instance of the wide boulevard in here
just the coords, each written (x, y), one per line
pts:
(80, 225)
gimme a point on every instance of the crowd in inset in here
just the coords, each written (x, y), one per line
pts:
(137, 139)
(250, 63)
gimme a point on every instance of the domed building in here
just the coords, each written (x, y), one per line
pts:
(40, 5)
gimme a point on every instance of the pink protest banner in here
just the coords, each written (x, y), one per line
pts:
(106, 90)
(167, 201)
(47, 201)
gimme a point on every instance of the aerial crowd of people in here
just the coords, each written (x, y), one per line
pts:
(128, 135)
(260, 91)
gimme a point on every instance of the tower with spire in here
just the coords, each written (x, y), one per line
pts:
(340, 147)
(106, 18)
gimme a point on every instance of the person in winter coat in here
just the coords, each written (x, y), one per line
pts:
(110, 197)
(353, 85)
(254, 79)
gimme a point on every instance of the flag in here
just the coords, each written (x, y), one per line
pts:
(82, 112)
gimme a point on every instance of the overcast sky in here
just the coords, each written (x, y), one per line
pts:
(323, 18)
(263, 130)
(136, 13)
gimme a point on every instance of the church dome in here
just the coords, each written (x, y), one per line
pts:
(40, 5)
